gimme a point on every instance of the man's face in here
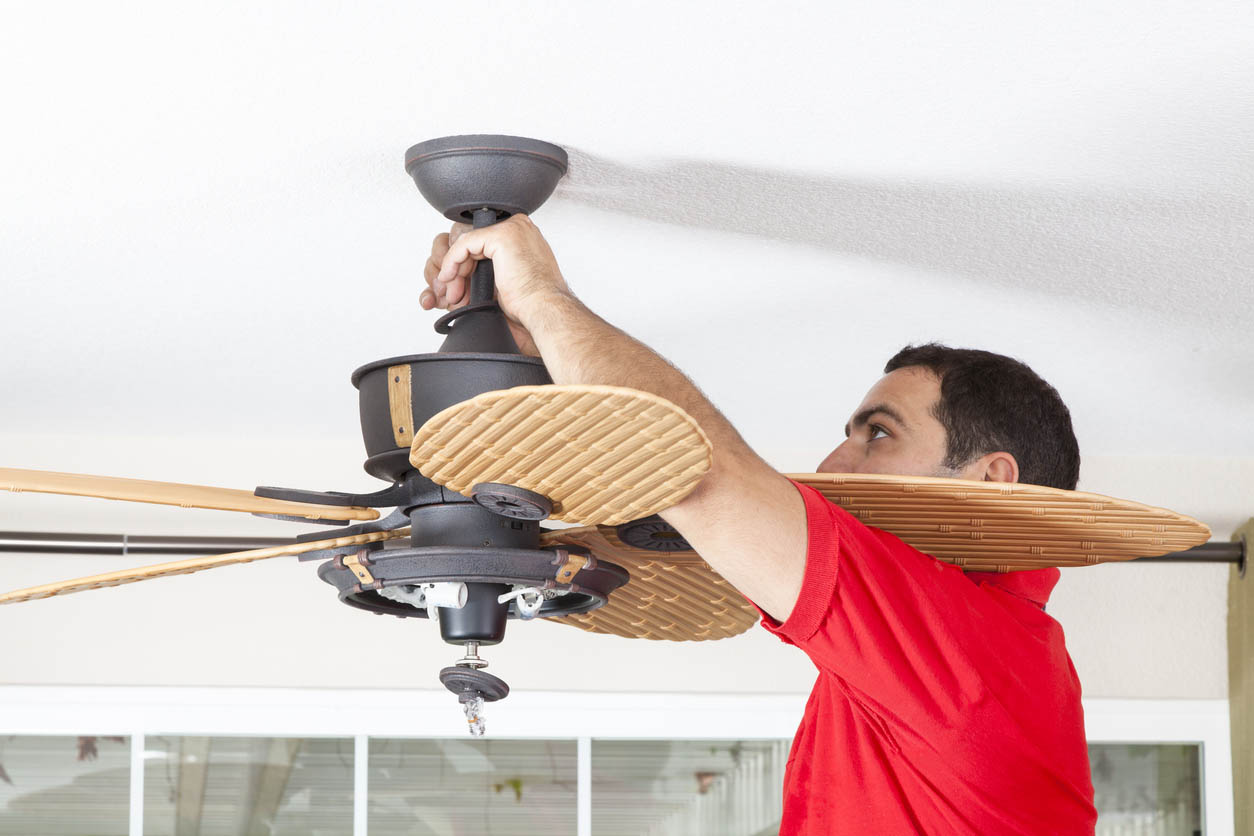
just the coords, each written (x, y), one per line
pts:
(894, 431)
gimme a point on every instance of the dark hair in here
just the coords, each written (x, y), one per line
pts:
(990, 402)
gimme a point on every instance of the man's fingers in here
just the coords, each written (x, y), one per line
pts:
(452, 281)
(467, 244)
(452, 294)
(439, 293)
(451, 264)
(457, 289)
(462, 255)
(450, 268)
(443, 295)
(439, 246)
(458, 230)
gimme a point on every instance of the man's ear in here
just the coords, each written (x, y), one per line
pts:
(997, 467)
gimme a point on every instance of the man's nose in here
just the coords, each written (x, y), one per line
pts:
(840, 460)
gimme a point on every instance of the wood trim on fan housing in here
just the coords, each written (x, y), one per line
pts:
(401, 404)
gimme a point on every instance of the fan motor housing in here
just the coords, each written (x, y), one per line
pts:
(487, 571)
(419, 386)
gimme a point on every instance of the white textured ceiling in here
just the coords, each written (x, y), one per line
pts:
(205, 224)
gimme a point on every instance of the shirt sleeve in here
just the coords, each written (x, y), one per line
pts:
(907, 635)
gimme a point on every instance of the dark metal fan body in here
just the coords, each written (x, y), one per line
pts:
(491, 542)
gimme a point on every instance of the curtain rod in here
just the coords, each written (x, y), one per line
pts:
(50, 542)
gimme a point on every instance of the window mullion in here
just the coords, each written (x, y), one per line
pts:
(137, 784)
(583, 787)
(361, 786)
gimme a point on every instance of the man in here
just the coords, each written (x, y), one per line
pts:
(946, 702)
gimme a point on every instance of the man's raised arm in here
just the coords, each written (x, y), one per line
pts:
(738, 499)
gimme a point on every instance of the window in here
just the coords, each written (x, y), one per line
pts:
(232, 786)
(687, 787)
(1147, 790)
(64, 786)
(469, 786)
(344, 761)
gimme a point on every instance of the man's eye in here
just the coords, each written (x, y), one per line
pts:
(877, 432)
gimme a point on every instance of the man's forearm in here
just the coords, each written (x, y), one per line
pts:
(580, 347)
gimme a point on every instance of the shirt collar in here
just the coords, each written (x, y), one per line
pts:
(1034, 585)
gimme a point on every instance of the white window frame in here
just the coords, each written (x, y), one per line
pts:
(581, 716)
(1201, 722)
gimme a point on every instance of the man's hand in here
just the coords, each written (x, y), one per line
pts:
(527, 275)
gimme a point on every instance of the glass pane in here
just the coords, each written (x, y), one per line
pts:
(472, 787)
(687, 787)
(224, 786)
(1147, 789)
(65, 786)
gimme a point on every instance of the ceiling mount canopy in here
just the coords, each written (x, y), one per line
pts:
(510, 175)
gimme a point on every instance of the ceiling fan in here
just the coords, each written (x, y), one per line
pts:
(478, 446)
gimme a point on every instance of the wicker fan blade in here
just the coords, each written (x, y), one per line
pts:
(673, 595)
(602, 454)
(186, 567)
(1004, 527)
(171, 493)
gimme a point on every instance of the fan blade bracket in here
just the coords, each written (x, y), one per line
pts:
(330, 554)
(183, 567)
(167, 493)
(338, 498)
(296, 518)
(511, 501)
(395, 521)
(396, 494)
(572, 560)
(357, 563)
(653, 534)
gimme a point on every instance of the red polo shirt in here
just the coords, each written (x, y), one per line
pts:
(946, 702)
